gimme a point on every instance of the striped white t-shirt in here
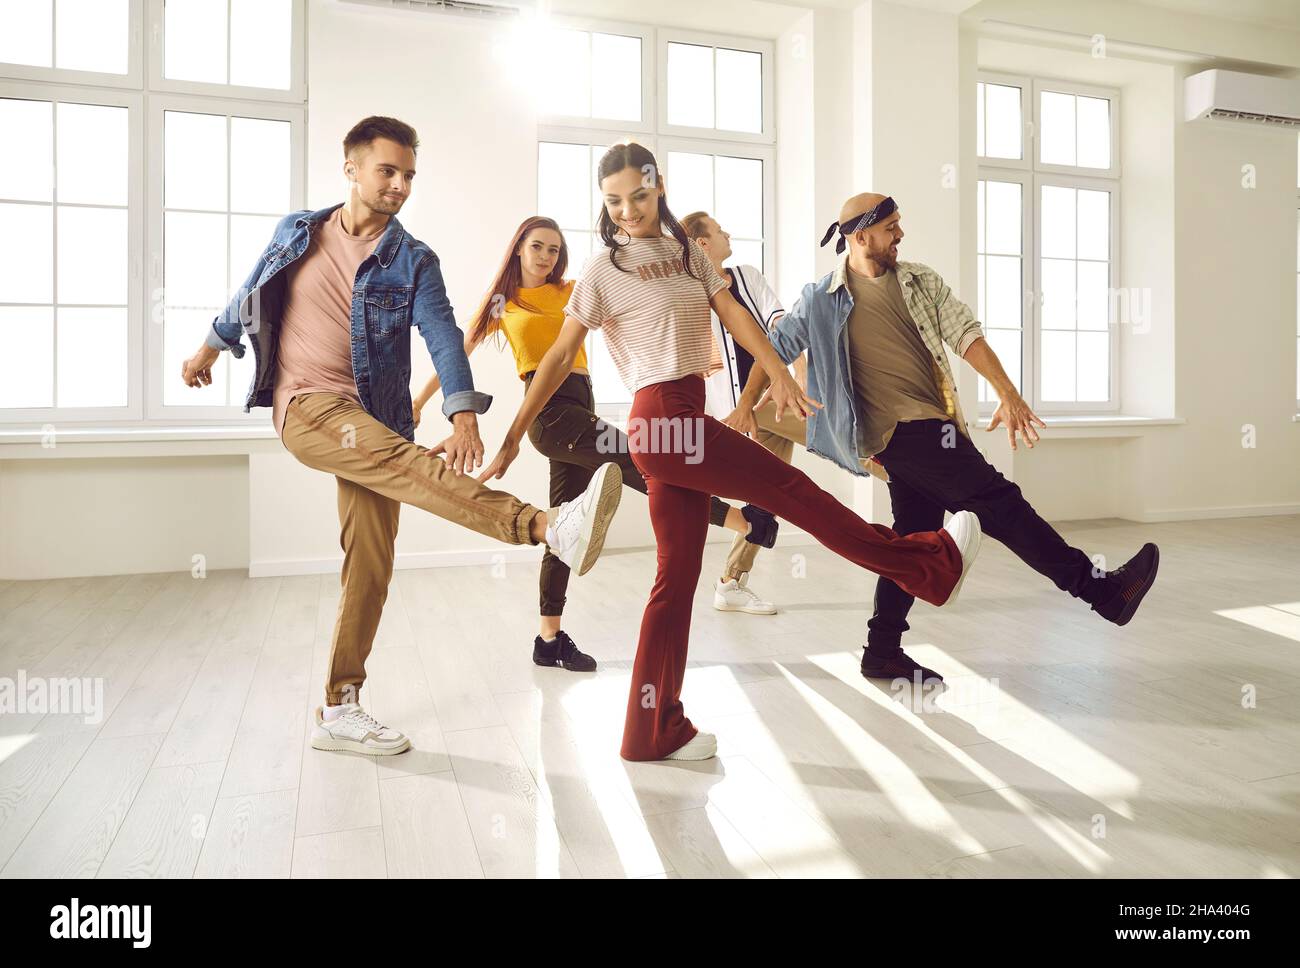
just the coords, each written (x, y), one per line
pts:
(655, 316)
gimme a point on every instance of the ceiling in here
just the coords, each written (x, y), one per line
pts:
(1264, 13)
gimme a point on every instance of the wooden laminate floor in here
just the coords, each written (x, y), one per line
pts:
(1062, 746)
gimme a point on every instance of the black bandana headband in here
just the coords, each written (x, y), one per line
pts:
(868, 218)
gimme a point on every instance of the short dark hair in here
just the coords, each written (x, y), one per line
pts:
(368, 129)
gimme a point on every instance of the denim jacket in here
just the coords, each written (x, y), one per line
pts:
(397, 286)
(819, 324)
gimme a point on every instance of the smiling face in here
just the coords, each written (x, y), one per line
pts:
(538, 253)
(632, 202)
(879, 243)
(381, 174)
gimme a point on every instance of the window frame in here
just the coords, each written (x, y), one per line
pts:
(133, 79)
(133, 102)
(1028, 341)
(766, 49)
(1033, 174)
(748, 150)
(1110, 94)
(296, 93)
(146, 95)
(1025, 83)
(159, 104)
(1110, 406)
(647, 123)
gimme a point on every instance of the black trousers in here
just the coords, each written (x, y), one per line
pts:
(566, 432)
(933, 467)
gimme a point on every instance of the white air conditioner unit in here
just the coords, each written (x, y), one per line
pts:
(1235, 96)
(489, 10)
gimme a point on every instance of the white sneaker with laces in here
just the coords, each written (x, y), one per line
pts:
(356, 731)
(702, 746)
(965, 531)
(737, 596)
(580, 525)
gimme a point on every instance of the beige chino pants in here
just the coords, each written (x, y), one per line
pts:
(378, 471)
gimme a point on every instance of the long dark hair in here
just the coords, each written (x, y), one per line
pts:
(510, 276)
(633, 155)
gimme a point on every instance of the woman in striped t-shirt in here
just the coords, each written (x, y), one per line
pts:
(650, 295)
(525, 304)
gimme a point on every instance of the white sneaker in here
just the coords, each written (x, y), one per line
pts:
(356, 731)
(580, 524)
(702, 746)
(965, 531)
(736, 596)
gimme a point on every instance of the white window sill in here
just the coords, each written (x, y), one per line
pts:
(139, 442)
(1092, 425)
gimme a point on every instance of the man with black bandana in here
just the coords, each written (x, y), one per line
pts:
(875, 331)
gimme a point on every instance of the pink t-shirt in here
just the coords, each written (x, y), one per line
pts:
(316, 324)
(655, 317)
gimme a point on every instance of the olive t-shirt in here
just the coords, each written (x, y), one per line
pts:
(893, 375)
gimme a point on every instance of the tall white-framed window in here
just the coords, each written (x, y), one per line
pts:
(112, 213)
(706, 113)
(70, 262)
(1048, 210)
(72, 41)
(1297, 278)
(716, 86)
(230, 48)
(601, 75)
(728, 182)
(222, 174)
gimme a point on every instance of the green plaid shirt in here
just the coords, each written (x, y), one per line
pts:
(816, 324)
(941, 318)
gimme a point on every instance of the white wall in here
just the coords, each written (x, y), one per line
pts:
(867, 97)
(1218, 260)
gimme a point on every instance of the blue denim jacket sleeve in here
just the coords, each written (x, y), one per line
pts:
(446, 343)
(227, 329)
(789, 334)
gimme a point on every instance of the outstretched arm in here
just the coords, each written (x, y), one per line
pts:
(551, 372)
(1012, 409)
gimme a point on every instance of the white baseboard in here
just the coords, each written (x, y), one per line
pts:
(1232, 511)
(507, 554)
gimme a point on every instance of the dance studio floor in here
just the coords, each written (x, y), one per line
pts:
(1062, 747)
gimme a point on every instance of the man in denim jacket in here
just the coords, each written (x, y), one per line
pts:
(875, 331)
(328, 309)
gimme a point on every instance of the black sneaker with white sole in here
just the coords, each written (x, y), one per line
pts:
(561, 652)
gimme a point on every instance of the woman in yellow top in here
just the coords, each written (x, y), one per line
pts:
(525, 304)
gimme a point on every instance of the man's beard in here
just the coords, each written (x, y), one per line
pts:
(886, 260)
(385, 206)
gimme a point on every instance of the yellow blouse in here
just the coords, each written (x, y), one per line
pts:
(531, 332)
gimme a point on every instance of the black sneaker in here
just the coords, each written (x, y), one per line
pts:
(763, 525)
(897, 665)
(563, 653)
(1132, 580)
